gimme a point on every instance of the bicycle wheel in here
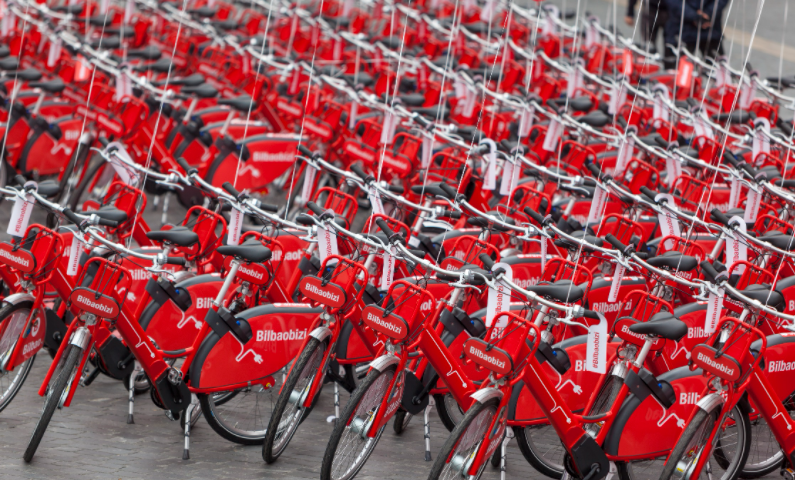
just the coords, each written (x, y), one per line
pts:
(733, 443)
(289, 412)
(401, 421)
(450, 412)
(455, 457)
(765, 455)
(349, 447)
(241, 415)
(14, 316)
(53, 399)
(82, 191)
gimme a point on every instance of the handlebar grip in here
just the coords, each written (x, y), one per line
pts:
(395, 189)
(315, 208)
(594, 168)
(487, 261)
(304, 219)
(481, 150)
(648, 192)
(184, 164)
(20, 180)
(730, 158)
(450, 191)
(424, 122)
(231, 189)
(176, 261)
(305, 151)
(534, 215)
(709, 271)
(384, 227)
(642, 255)
(590, 314)
(71, 216)
(719, 216)
(455, 215)
(108, 223)
(358, 170)
(418, 253)
(269, 208)
(749, 169)
(612, 240)
(785, 183)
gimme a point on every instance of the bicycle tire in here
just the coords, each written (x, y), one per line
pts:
(52, 401)
(401, 421)
(94, 166)
(363, 403)
(7, 312)
(769, 464)
(693, 439)
(449, 411)
(314, 352)
(478, 417)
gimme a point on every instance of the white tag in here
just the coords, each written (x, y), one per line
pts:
(702, 128)
(526, 122)
(460, 88)
(129, 10)
(747, 94)
(487, 11)
(235, 227)
(591, 34)
(661, 111)
(574, 82)
(309, 183)
(673, 169)
(352, 118)
(388, 130)
(125, 175)
(753, 199)
(490, 175)
(103, 6)
(469, 104)
(543, 253)
(714, 307)
(375, 201)
(596, 347)
(734, 194)
(414, 242)
(510, 178)
(669, 226)
(554, 131)
(347, 8)
(720, 75)
(20, 216)
(388, 268)
(736, 249)
(74, 255)
(624, 155)
(595, 213)
(616, 285)
(499, 298)
(427, 152)
(123, 86)
(54, 53)
(618, 96)
(328, 243)
(550, 27)
(761, 142)
(6, 24)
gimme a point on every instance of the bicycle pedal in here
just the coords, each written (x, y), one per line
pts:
(788, 473)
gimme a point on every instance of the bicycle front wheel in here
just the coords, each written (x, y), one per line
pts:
(731, 447)
(456, 456)
(350, 445)
(13, 317)
(55, 395)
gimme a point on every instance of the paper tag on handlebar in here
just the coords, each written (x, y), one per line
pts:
(554, 131)
(543, 253)
(375, 201)
(20, 215)
(761, 142)
(714, 306)
(574, 83)
(235, 226)
(596, 347)
(500, 297)
(490, 175)
(526, 122)
(626, 62)
(673, 169)
(129, 10)
(388, 129)
(125, 175)
(123, 86)
(327, 240)
(624, 155)
(388, 268)
(470, 99)
(702, 128)
(352, 118)
(427, 151)
(661, 111)
(74, 255)
(54, 52)
(736, 249)
(595, 213)
(734, 193)
(510, 178)
(6, 23)
(309, 183)
(685, 73)
(591, 35)
(103, 6)
(752, 201)
(721, 75)
(669, 225)
(747, 93)
(347, 8)
(618, 96)
(618, 276)
(487, 12)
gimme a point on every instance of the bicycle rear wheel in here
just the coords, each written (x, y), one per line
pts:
(461, 447)
(349, 446)
(289, 412)
(732, 447)
(13, 317)
(55, 395)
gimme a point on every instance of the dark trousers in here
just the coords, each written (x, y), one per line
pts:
(652, 21)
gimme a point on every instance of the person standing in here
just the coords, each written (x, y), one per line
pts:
(701, 25)
(653, 17)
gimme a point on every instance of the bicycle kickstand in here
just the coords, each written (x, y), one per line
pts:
(188, 416)
(426, 416)
(131, 394)
(504, 451)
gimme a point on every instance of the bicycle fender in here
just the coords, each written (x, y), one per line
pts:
(485, 394)
(384, 361)
(320, 333)
(710, 402)
(17, 298)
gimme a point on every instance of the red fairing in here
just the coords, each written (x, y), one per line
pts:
(88, 301)
(34, 340)
(250, 272)
(21, 260)
(330, 294)
(278, 334)
(391, 325)
(494, 359)
(725, 367)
